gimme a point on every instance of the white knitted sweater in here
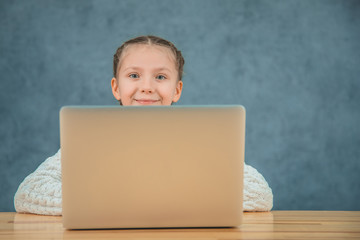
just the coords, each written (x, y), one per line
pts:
(40, 192)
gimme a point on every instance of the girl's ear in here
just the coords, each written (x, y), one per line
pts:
(178, 91)
(115, 88)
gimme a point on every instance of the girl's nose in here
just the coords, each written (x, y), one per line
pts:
(147, 86)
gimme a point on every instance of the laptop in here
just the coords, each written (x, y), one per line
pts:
(152, 167)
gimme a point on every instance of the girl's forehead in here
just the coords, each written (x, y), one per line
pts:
(143, 48)
(140, 51)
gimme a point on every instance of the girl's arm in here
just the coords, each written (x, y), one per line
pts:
(40, 192)
(257, 193)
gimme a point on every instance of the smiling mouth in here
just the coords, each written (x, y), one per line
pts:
(146, 101)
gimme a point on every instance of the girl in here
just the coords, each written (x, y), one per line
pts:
(147, 71)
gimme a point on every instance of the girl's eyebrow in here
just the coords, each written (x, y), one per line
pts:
(160, 69)
(156, 69)
(132, 68)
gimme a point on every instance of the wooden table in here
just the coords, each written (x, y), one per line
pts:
(268, 225)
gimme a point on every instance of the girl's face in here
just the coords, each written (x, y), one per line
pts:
(147, 75)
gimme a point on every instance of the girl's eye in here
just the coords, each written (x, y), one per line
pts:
(161, 77)
(134, 75)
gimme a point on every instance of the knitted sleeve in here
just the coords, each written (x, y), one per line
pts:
(258, 195)
(40, 192)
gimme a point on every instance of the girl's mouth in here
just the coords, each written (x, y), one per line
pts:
(146, 101)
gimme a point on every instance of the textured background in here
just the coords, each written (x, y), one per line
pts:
(295, 66)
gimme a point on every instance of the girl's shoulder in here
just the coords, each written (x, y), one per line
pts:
(253, 175)
(258, 195)
(51, 163)
(249, 170)
(40, 192)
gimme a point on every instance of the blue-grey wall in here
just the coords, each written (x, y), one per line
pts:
(294, 64)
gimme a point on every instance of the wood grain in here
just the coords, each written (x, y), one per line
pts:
(263, 225)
